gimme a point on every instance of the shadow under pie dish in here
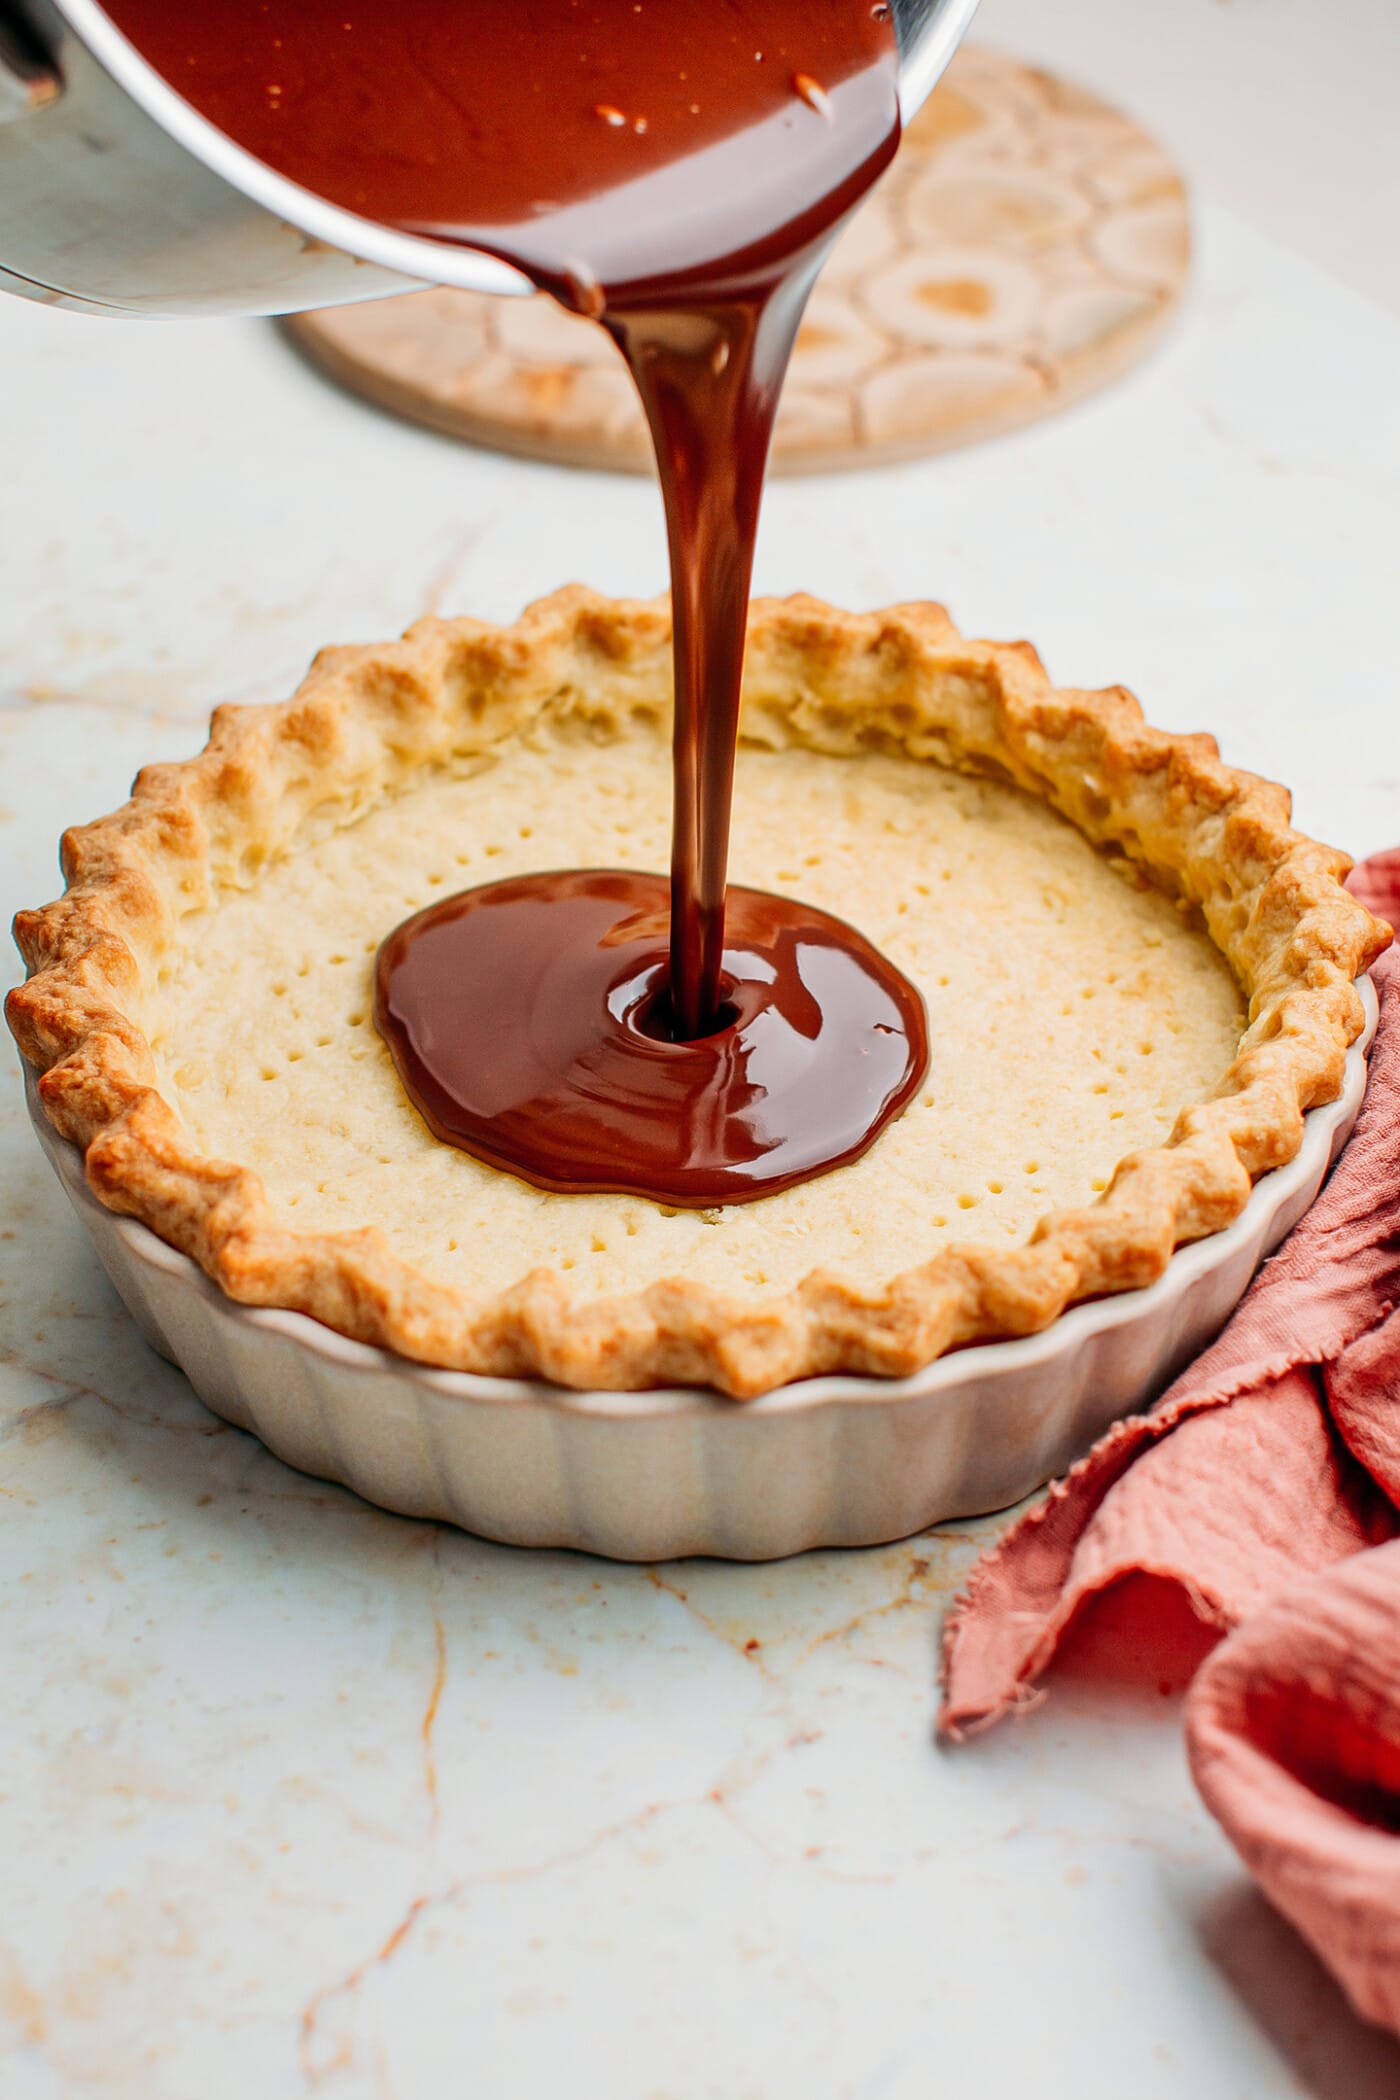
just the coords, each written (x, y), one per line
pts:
(1139, 979)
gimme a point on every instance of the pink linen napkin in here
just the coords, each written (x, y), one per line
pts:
(1266, 1483)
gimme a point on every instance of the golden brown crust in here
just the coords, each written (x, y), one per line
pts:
(365, 720)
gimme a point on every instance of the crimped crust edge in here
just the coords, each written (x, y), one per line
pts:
(903, 679)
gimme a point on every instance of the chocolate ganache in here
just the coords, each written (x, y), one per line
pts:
(676, 170)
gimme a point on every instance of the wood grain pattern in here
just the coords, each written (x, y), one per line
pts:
(1026, 248)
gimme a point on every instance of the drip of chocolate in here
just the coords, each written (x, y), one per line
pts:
(675, 169)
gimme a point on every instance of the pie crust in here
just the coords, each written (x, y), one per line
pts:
(368, 725)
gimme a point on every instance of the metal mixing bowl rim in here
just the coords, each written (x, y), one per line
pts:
(407, 255)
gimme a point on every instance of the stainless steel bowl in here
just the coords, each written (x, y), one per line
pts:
(116, 196)
(840, 1461)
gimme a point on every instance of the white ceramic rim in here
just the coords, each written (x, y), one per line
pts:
(1044, 1352)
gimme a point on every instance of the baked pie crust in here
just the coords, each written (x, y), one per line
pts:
(370, 725)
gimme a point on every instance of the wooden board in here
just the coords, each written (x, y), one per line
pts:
(1026, 248)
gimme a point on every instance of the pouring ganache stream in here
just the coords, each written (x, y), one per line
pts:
(676, 171)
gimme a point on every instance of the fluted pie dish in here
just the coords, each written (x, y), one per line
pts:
(841, 1460)
(1139, 981)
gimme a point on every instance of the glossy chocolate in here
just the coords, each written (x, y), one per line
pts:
(530, 1021)
(675, 169)
(629, 143)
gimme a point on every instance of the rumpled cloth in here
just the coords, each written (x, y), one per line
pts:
(1266, 1483)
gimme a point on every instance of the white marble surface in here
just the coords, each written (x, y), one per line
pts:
(296, 1797)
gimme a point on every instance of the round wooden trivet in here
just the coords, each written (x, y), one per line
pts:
(1025, 248)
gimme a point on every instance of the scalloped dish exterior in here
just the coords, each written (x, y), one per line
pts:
(878, 736)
